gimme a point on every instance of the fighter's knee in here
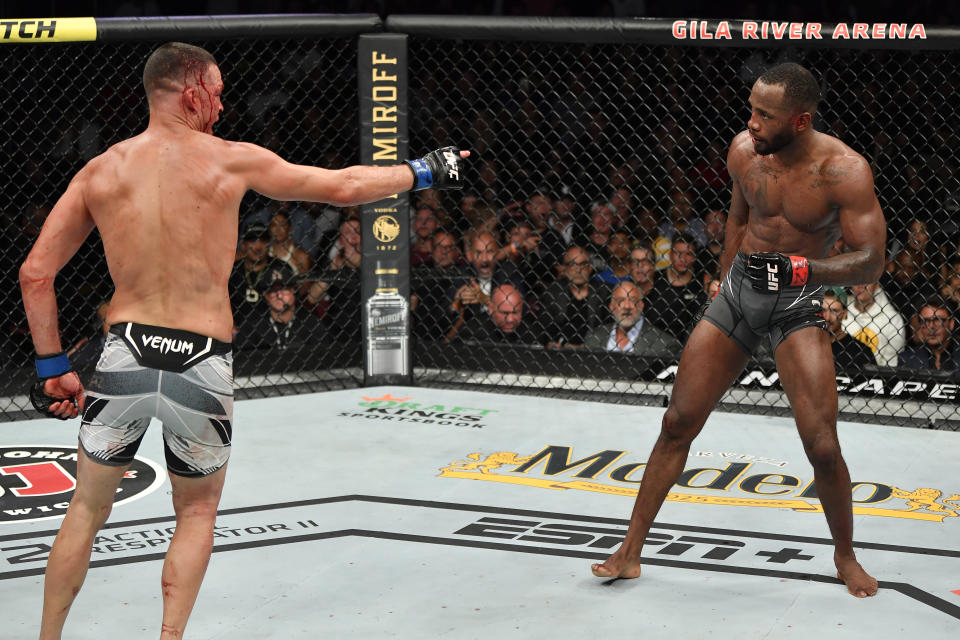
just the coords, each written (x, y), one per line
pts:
(822, 451)
(94, 514)
(204, 509)
(677, 427)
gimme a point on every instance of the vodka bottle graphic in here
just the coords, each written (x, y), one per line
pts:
(387, 325)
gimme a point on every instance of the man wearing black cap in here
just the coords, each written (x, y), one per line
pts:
(246, 278)
(278, 323)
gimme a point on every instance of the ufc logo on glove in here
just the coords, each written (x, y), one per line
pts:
(453, 159)
(438, 169)
(770, 271)
(773, 284)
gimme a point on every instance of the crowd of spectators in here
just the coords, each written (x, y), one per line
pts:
(554, 273)
(521, 274)
(587, 278)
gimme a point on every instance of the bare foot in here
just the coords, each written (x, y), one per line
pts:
(859, 582)
(616, 567)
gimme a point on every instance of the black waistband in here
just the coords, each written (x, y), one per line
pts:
(739, 262)
(168, 349)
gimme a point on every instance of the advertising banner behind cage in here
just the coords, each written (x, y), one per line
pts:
(382, 66)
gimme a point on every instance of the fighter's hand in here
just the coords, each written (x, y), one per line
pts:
(771, 272)
(440, 169)
(60, 397)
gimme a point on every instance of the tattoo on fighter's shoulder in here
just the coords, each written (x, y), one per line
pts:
(755, 189)
(826, 175)
(766, 169)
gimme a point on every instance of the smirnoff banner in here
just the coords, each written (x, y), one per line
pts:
(385, 288)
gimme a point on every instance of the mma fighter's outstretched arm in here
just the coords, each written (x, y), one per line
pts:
(268, 174)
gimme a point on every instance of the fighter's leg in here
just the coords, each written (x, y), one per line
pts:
(70, 556)
(196, 410)
(195, 503)
(709, 364)
(805, 363)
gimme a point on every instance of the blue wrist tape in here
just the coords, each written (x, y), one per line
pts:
(53, 366)
(422, 176)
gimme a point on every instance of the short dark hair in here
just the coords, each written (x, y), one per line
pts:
(646, 246)
(170, 64)
(800, 88)
(934, 302)
(515, 223)
(837, 293)
(683, 238)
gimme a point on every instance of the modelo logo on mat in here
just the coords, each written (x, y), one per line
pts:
(719, 482)
(37, 481)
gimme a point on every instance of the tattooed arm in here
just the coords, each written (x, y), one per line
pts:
(849, 182)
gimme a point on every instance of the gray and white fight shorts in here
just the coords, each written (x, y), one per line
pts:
(745, 315)
(183, 379)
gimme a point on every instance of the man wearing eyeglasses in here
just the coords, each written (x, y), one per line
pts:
(934, 350)
(430, 281)
(643, 273)
(574, 303)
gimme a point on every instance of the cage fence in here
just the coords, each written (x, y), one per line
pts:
(597, 167)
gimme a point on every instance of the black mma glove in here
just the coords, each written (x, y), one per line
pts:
(50, 366)
(440, 169)
(771, 272)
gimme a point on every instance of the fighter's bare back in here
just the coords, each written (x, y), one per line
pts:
(166, 205)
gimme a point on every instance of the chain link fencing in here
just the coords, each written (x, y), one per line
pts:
(619, 151)
(594, 164)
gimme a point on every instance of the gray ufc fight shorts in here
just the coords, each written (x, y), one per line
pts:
(745, 315)
(183, 379)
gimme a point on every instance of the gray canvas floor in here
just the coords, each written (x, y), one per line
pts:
(421, 513)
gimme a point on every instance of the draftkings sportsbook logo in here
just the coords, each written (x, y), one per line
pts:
(735, 484)
(391, 408)
(37, 481)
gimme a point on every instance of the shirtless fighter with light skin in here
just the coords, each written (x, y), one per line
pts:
(795, 191)
(166, 204)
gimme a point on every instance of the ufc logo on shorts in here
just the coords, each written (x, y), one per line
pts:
(772, 283)
(452, 170)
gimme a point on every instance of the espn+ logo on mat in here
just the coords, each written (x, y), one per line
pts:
(38, 481)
